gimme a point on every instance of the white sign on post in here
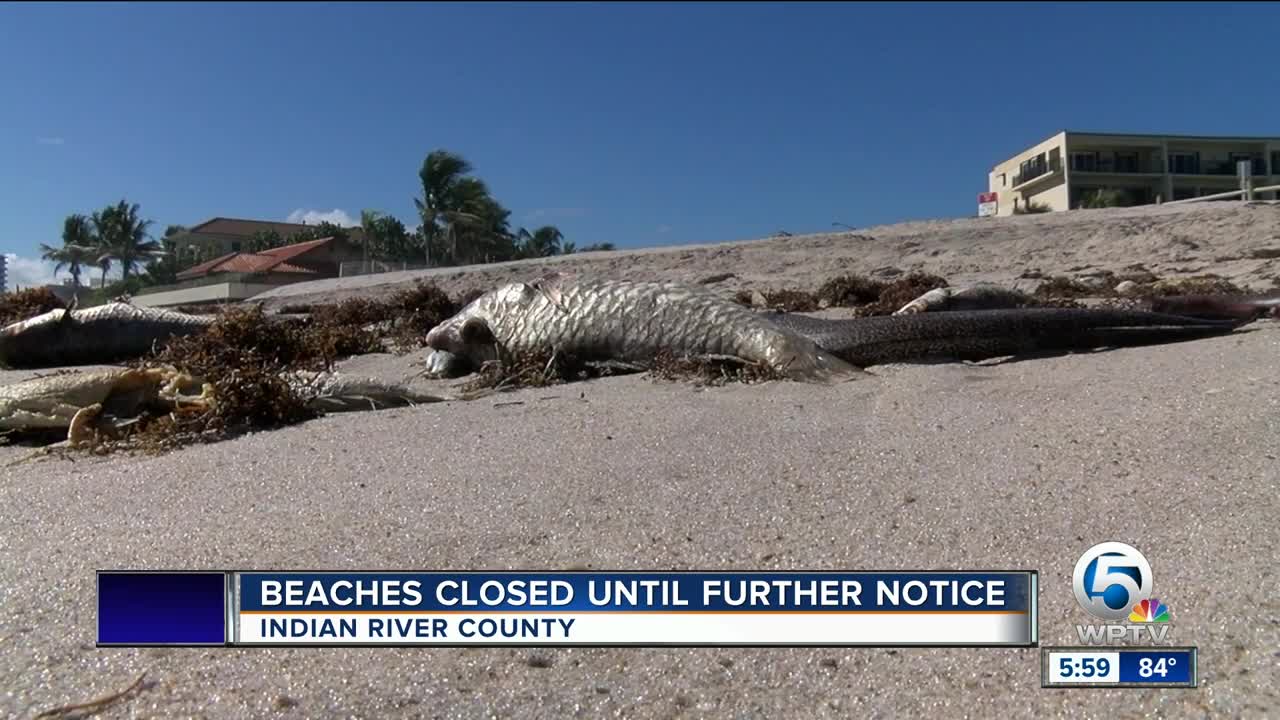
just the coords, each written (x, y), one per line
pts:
(988, 204)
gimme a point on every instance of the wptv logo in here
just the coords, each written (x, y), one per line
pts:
(1113, 582)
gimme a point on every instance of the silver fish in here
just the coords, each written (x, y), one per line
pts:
(93, 336)
(632, 321)
(628, 322)
(982, 296)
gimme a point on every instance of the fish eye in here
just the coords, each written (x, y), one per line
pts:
(476, 332)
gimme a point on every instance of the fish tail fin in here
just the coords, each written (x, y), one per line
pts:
(823, 368)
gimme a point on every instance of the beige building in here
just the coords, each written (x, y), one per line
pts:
(1063, 171)
(238, 276)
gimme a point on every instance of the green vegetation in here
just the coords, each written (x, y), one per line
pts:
(461, 223)
(1106, 198)
(1031, 207)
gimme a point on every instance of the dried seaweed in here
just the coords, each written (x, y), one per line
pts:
(18, 306)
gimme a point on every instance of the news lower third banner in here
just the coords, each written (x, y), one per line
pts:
(927, 609)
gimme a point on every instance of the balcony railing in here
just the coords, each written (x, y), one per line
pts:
(1108, 166)
(1037, 170)
(1259, 167)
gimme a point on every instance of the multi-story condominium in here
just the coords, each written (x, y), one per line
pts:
(1063, 172)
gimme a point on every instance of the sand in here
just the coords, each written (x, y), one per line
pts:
(954, 466)
(1236, 240)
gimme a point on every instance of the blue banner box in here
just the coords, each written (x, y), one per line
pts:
(162, 608)
(1119, 666)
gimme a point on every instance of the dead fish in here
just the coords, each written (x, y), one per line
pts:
(981, 296)
(94, 336)
(76, 402)
(632, 321)
(628, 322)
(79, 402)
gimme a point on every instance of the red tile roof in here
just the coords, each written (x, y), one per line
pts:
(273, 260)
(248, 228)
(235, 226)
(292, 251)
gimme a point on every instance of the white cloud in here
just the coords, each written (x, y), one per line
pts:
(551, 213)
(27, 272)
(24, 272)
(44, 140)
(664, 229)
(315, 217)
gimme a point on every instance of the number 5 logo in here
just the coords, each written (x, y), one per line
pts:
(1110, 578)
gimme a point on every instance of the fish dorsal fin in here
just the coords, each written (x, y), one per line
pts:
(67, 317)
(551, 287)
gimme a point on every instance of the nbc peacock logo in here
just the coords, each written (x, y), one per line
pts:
(1113, 582)
(1150, 611)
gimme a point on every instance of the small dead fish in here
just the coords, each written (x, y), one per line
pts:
(94, 336)
(80, 401)
(982, 296)
(629, 322)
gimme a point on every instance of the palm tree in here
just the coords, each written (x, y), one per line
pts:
(101, 220)
(447, 193)
(77, 249)
(369, 225)
(488, 239)
(543, 242)
(123, 237)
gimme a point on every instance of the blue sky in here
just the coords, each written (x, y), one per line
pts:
(645, 124)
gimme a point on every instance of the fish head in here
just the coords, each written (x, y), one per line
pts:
(24, 340)
(473, 332)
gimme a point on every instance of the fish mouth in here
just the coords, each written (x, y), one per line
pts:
(445, 339)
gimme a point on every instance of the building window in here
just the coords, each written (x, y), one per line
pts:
(1003, 180)
(1033, 168)
(1127, 162)
(235, 246)
(1084, 161)
(1184, 163)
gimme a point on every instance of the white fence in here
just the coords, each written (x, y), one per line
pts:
(1244, 193)
(373, 267)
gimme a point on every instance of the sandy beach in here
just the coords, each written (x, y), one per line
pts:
(1014, 465)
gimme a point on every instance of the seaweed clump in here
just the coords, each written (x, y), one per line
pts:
(244, 356)
(899, 292)
(545, 369)
(414, 311)
(360, 325)
(708, 371)
(538, 369)
(1197, 285)
(850, 291)
(784, 300)
(1061, 287)
(24, 304)
(869, 296)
